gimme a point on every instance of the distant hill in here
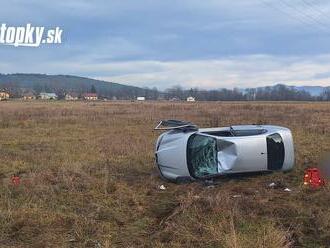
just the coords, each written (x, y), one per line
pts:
(19, 83)
(67, 83)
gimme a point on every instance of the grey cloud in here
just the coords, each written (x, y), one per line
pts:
(148, 42)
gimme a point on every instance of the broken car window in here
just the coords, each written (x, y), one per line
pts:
(202, 155)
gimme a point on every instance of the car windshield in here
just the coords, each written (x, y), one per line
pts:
(202, 155)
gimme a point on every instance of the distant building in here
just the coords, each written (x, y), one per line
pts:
(90, 96)
(141, 98)
(191, 99)
(174, 99)
(47, 96)
(29, 96)
(71, 97)
(4, 95)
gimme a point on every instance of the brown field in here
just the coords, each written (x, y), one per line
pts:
(88, 179)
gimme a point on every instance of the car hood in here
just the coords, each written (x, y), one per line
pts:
(171, 154)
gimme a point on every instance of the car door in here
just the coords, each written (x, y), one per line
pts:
(250, 151)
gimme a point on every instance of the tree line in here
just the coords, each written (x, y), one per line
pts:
(272, 93)
(275, 93)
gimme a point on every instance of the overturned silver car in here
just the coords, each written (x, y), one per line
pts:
(185, 152)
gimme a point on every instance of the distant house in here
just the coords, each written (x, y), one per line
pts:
(47, 96)
(141, 98)
(174, 99)
(90, 96)
(4, 95)
(71, 97)
(191, 99)
(28, 96)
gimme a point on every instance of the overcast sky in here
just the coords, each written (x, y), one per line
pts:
(206, 43)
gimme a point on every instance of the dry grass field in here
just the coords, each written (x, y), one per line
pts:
(88, 179)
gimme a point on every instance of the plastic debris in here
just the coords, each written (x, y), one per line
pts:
(277, 185)
(236, 196)
(162, 187)
(272, 185)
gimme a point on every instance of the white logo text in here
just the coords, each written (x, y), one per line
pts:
(29, 36)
